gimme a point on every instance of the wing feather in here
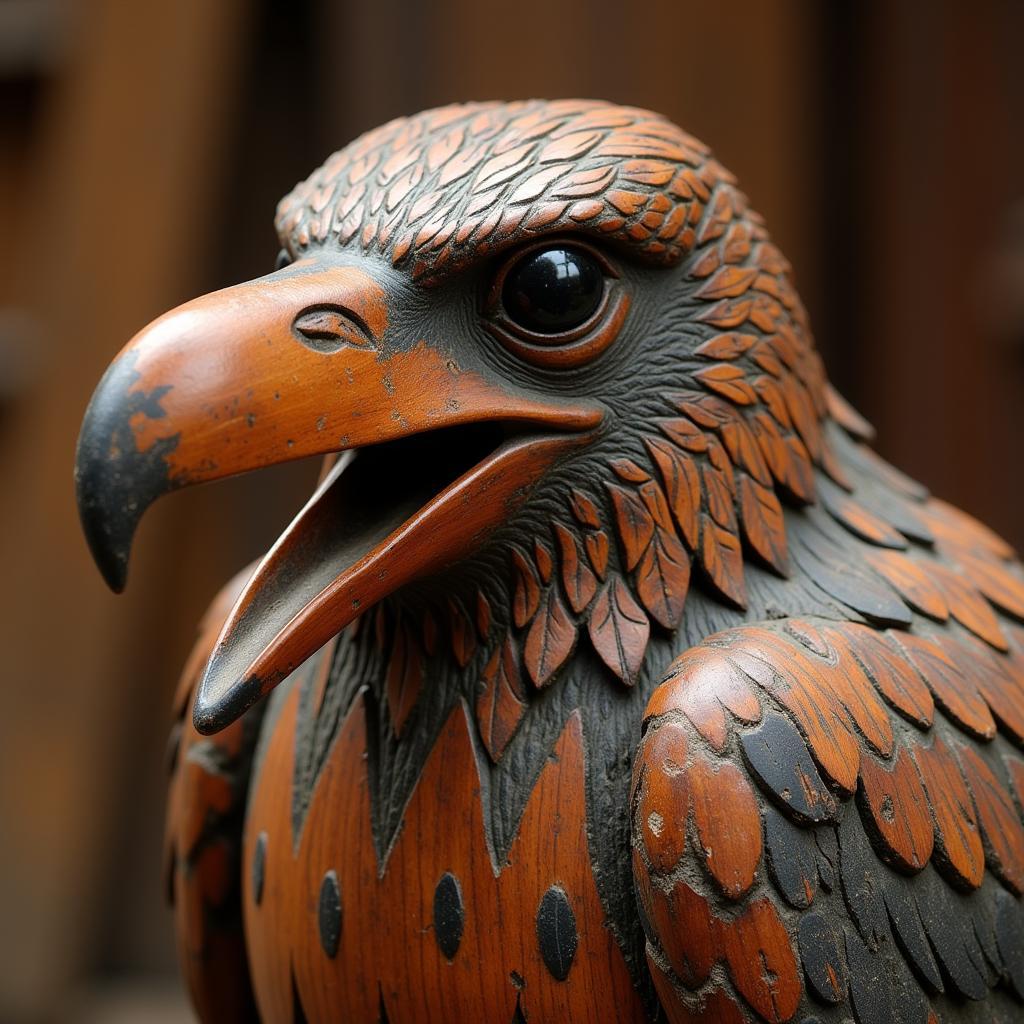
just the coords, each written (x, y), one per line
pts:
(843, 847)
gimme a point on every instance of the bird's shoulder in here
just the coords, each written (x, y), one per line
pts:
(826, 816)
(202, 842)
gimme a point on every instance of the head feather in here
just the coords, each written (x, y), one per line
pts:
(443, 187)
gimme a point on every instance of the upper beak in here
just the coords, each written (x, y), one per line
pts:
(300, 363)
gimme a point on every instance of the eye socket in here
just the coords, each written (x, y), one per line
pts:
(553, 290)
(558, 303)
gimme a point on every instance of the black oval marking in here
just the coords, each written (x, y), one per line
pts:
(259, 867)
(556, 932)
(792, 858)
(870, 988)
(449, 915)
(840, 578)
(861, 874)
(822, 956)
(951, 933)
(778, 756)
(329, 914)
(908, 930)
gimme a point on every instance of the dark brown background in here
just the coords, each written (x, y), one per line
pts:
(142, 149)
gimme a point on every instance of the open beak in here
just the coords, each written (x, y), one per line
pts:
(298, 363)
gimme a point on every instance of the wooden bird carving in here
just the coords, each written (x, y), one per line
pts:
(608, 675)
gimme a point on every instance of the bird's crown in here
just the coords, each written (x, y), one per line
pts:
(447, 185)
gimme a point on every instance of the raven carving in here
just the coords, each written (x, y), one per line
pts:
(608, 675)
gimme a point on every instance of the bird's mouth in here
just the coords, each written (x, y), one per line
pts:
(433, 456)
(382, 517)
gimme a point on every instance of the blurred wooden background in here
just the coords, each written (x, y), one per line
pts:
(142, 150)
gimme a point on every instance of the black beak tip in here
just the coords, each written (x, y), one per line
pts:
(114, 482)
(113, 568)
(216, 707)
(108, 534)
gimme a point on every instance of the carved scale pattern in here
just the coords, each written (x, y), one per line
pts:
(827, 815)
(619, 563)
(450, 185)
(390, 953)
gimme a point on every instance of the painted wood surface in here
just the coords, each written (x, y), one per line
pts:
(661, 504)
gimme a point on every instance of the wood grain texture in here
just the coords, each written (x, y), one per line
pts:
(934, 818)
(388, 949)
(440, 824)
(420, 188)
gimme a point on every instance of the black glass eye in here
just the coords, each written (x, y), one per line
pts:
(553, 290)
(283, 260)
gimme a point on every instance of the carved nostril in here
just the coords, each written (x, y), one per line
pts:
(329, 328)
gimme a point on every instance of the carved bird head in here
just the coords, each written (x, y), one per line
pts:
(562, 360)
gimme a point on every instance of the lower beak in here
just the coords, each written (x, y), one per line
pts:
(297, 364)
